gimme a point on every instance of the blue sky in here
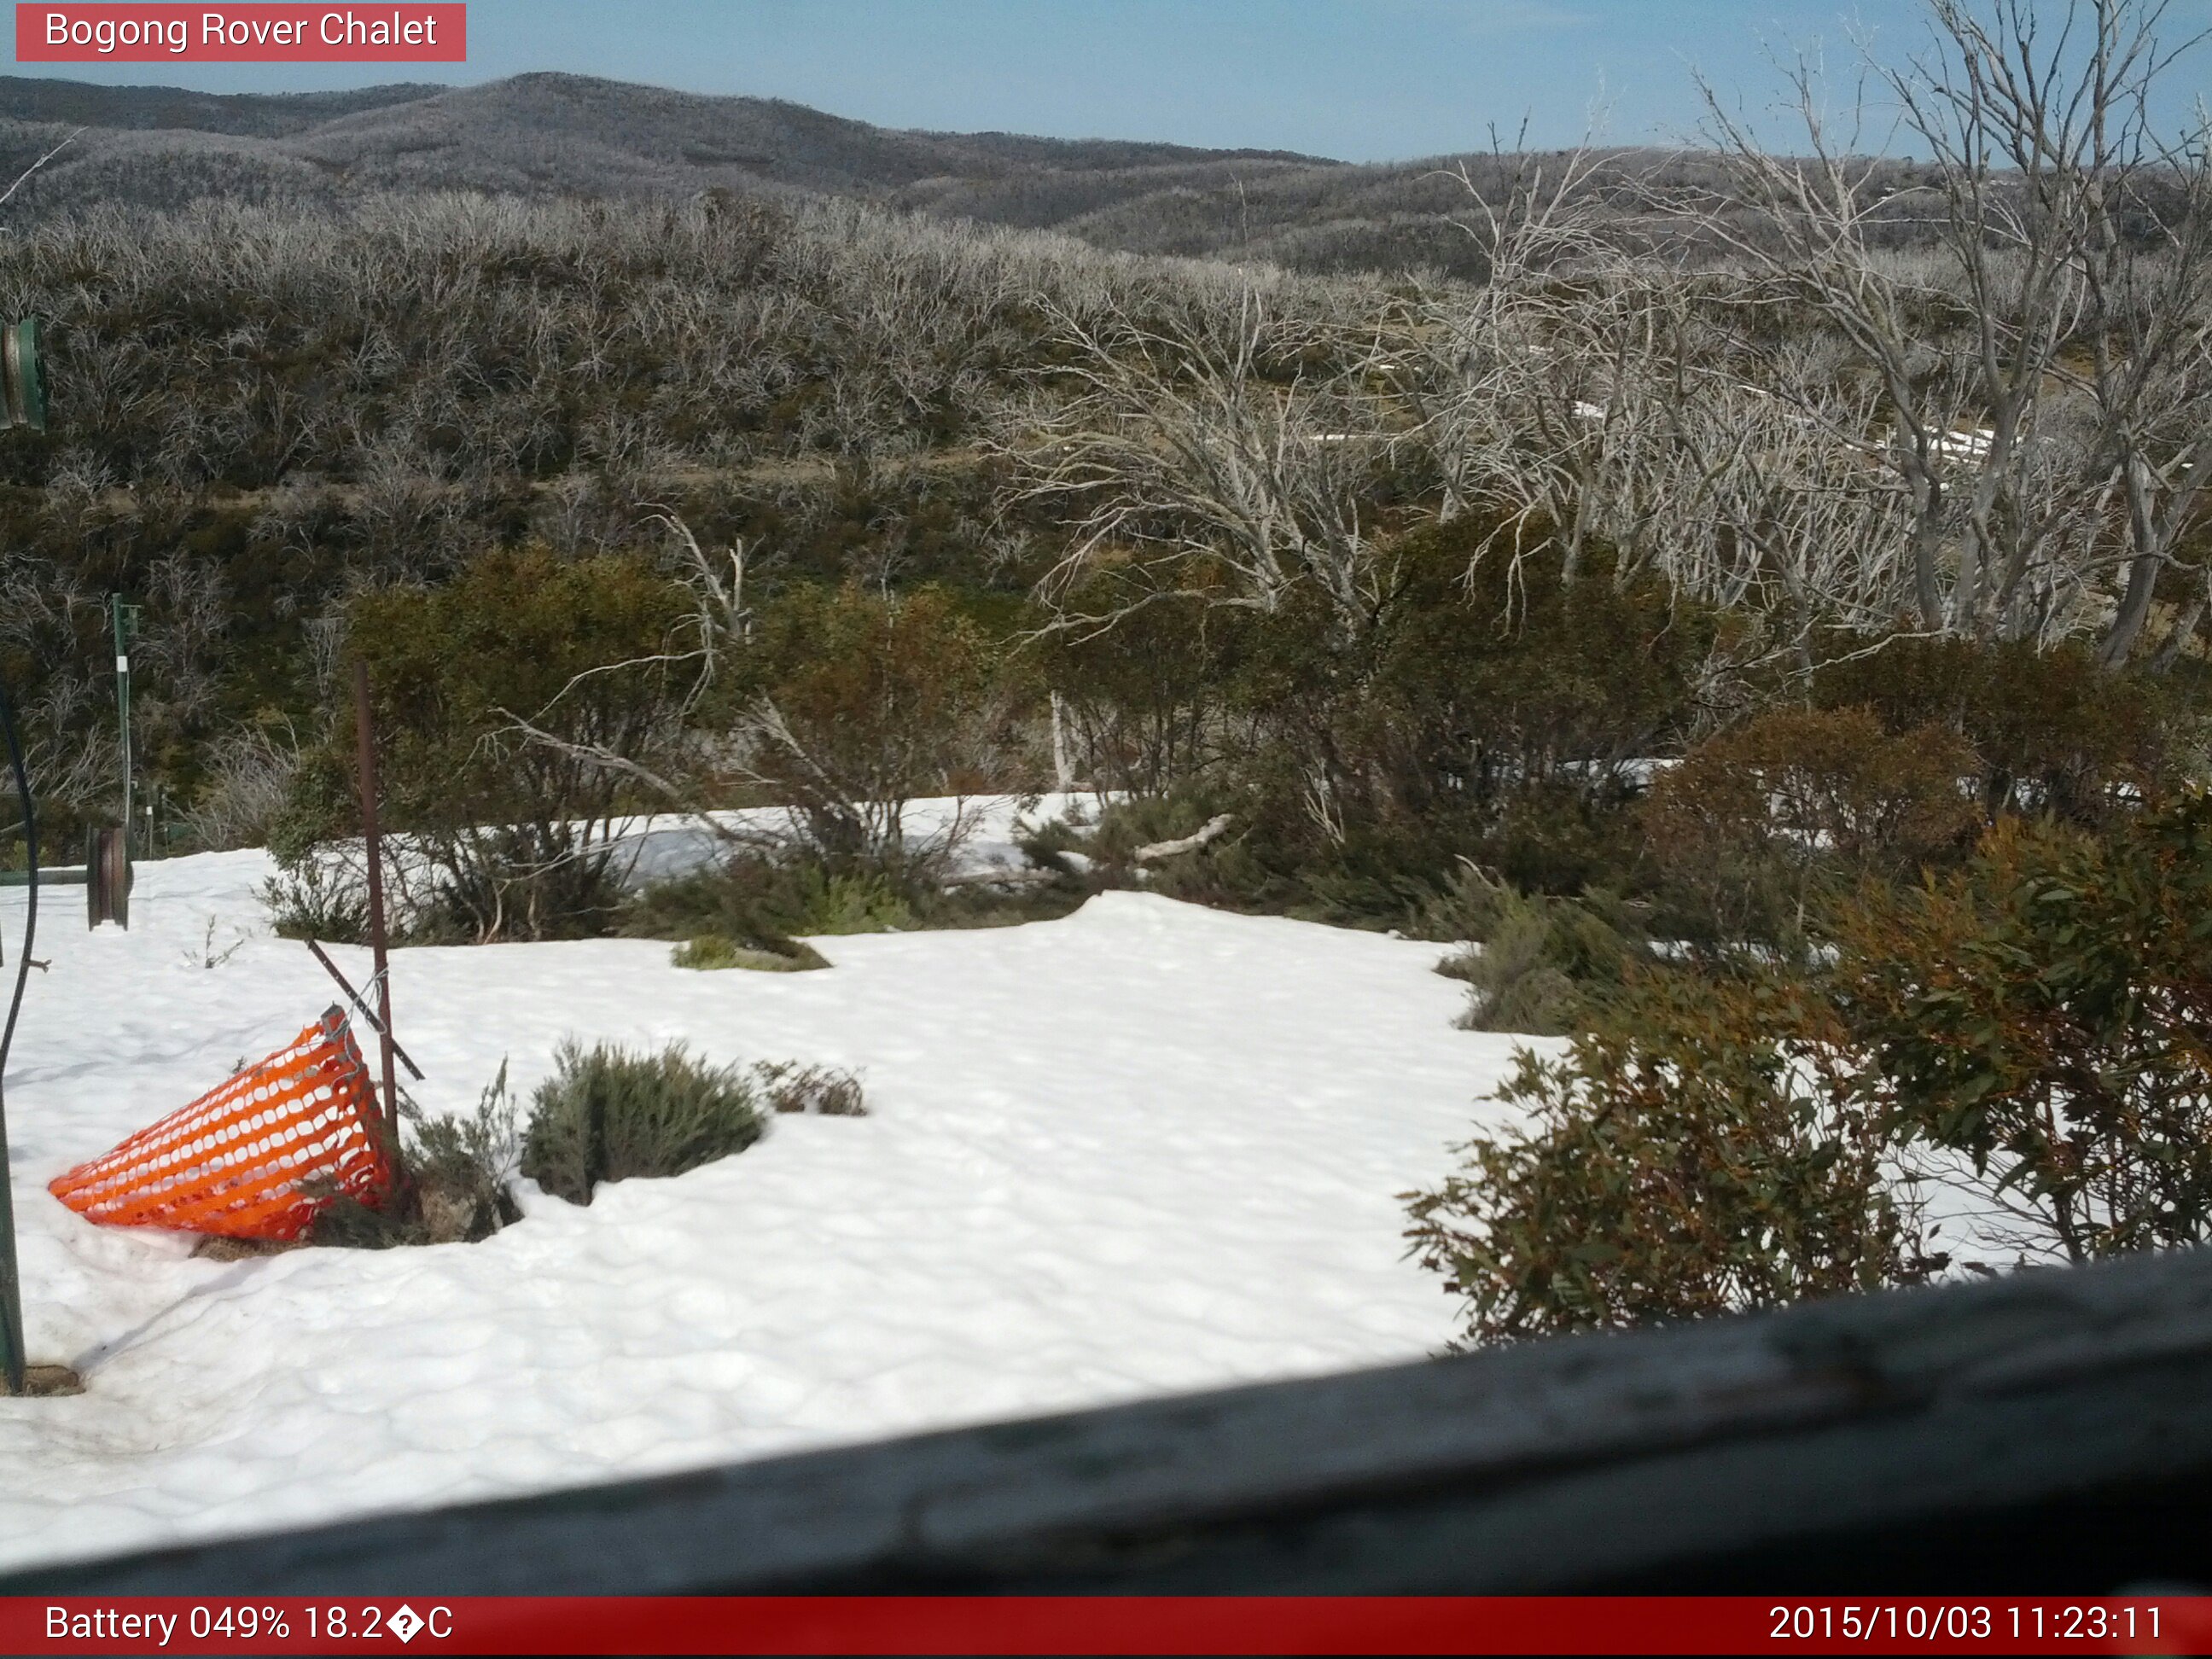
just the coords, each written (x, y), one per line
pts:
(1363, 80)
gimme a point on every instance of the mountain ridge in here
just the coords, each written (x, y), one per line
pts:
(553, 133)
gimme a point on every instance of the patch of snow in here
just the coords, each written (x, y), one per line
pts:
(1143, 1149)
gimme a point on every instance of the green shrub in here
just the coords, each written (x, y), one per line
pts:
(461, 1174)
(859, 901)
(864, 700)
(514, 833)
(2055, 733)
(1733, 1141)
(1755, 825)
(711, 951)
(2047, 1012)
(761, 903)
(1703, 1150)
(758, 903)
(605, 1114)
(1542, 959)
(307, 898)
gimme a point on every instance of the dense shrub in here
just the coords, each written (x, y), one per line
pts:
(1494, 706)
(2037, 1023)
(1504, 672)
(2054, 733)
(1702, 1150)
(1753, 825)
(2048, 1012)
(764, 903)
(861, 702)
(313, 897)
(607, 1114)
(507, 834)
(1143, 701)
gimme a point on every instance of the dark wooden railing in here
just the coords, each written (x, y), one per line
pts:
(2049, 1432)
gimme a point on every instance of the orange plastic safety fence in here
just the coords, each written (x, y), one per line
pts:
(234, 1161)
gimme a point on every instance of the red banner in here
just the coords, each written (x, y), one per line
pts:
(1105, 1624)
(72, 32)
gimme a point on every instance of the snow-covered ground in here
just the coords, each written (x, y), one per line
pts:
(1145, 1148)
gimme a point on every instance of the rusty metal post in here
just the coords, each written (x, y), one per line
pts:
(373, 844)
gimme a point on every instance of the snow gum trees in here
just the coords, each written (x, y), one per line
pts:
(2039, 373)
(1220, 451)
(495, 696)
(1961, 395)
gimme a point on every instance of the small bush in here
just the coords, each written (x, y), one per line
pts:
(812, 1090)
(1703, 1150)
(606, 1115)
(712, 952)
(760, 904)
(1543, 959)
(461, 1172)
(1538, 958)
(861, 902)
(309, 898)
(465, 1167)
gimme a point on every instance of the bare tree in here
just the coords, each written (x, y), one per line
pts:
(1225, 454)
(2071, 270)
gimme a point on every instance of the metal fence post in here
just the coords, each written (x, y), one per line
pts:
(372, 843)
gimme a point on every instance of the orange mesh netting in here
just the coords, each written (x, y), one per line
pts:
(234, 1161)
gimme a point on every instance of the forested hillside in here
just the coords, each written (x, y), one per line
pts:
(550, 135)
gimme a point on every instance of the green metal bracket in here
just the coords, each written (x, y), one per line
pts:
(23, 375)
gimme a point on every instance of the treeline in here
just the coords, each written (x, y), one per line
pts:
(259, 412)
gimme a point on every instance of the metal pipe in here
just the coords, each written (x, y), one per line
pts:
(125, 618)
(11, 1292)
(366, 1013)
(64, 875)
(365, 732)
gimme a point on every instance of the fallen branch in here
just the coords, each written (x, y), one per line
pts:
(1000, 876)
(1215, 826)
(40, 163)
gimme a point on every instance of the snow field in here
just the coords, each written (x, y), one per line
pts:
(1144, 1149)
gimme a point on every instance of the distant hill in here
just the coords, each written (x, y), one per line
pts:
(573, 135)
(535, 133)
(262, 115)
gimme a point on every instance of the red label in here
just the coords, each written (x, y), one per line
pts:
(95, 33)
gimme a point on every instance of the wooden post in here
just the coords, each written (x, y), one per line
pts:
(373, 845)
